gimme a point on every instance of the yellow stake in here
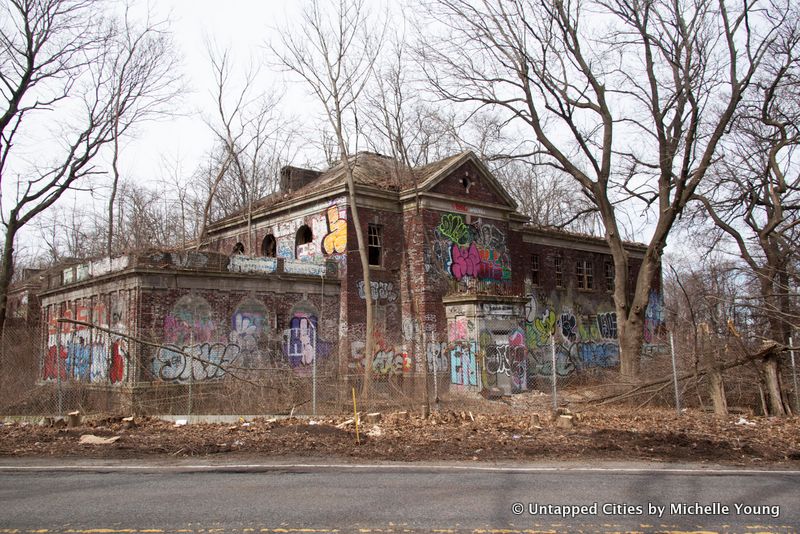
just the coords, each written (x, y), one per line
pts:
(355, 416)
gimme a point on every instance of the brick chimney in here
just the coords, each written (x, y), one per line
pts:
(293, 178)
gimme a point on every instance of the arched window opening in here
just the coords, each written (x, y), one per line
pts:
(269, 246)
(238, 248)
(303, 237)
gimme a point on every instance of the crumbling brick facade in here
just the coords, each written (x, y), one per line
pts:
(461, 284)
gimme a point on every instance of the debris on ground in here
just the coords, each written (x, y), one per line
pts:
(611, 433)
(91, 439)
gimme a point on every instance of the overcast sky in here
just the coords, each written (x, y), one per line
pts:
(243, 27)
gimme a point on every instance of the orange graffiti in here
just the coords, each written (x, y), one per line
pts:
(336, 240)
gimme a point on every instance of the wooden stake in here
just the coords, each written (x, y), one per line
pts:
(355, 416)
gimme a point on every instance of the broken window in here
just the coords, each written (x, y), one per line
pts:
(535, 269)
(303, 237)
(238, 248)
(268, 246)
(374, 244)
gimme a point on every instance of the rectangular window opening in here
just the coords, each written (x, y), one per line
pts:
(559, 271)
(374, 244)
(584, 272)
(609, 266)
(535, 269)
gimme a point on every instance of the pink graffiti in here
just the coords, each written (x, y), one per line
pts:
(477, 262)
(179, 330)
(465, 262)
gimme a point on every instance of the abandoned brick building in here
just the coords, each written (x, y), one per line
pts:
(463, 287)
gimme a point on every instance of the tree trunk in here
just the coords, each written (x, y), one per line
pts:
(716, 389)
(369, 342)
(779, 333)
(773, 385)
(631, 336)
(6, 270)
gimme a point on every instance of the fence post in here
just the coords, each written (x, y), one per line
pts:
(314, 375)
(675, 374)
(58, 370)
(794, 377)
(553, 365)
(435, 376)
(191, 372)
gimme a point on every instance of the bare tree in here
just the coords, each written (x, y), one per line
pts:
(754, 198)
(629, 97)
(547, 197)
(334, 51)
(142, 57)
(60, 55)
(252, 143)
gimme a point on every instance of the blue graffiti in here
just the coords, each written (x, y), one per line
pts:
(463, 366)
(79, 360)
(598, 354)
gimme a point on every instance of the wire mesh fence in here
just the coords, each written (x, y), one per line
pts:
(92, 369)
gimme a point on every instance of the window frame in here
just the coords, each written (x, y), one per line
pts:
(535, 270)
(610, 275)
(558, 271)
(584, 275)
(375, 231)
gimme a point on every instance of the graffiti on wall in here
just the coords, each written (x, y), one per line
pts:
(86, 354)
(239, 263)
(380, 291)
(191, 321)
(195, 348)
(335, 241)
(304, 267)
(194, 363)
(653, 316)
(328, 225)
(463, 364)
(248, 325)
(438, 357)
(476, 250)
(459, 328)
(300, 339)
(509, 359)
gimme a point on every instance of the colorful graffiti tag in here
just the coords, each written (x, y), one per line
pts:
(477, 250)
(653, 316)
(335, 242)
(328, 229)
(463, 364)
(78, 352)
(300, 339)
(248, 325)
(193, 349)
(194, 363)
(190, 322)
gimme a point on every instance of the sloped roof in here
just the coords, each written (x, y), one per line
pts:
(372, 170)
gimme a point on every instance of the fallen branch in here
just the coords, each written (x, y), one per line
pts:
(768, 349)
(172, 348)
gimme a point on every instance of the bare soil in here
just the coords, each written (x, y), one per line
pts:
(610, 433)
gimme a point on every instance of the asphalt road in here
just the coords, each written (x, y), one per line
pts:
(133, 498)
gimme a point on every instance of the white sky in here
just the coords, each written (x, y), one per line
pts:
(243, 27)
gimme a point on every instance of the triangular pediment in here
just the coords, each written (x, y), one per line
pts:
(464, 178)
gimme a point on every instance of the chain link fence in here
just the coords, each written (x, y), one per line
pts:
(97, 370)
